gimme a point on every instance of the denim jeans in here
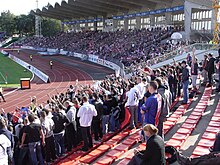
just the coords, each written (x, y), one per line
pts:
(35, 153)
(134, 116)
(185, 91)
(114, 123)
(105, 121)
(22, 154)
(59, 143)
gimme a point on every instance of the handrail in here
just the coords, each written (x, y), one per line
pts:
(187, 49)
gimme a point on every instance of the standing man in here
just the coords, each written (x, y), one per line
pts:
(218, 69)
(185, 82)
(86, 113)
(194, 70)
(204, 70)
(152, 107)
(1, 94)
(51, 64)
(31, 58)
(60, 120)
(141, 86)
(132, 104)
(71, 126)
(210, 69)
(35, 136)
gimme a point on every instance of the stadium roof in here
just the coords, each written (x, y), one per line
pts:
(75, 9)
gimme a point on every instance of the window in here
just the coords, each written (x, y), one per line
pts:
(82, 25)
(121, 22)
(132, 21)
(90, 24)
(99, 23)
(131, 27)
(145, 26)
(210, 14)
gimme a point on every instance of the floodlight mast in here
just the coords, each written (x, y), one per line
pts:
(37, 23)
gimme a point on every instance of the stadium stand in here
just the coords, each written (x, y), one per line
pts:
(102, 125)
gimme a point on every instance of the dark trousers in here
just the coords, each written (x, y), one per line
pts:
(2, 96)
(71, 136)
(179, 89)
(87, 138)
(160, 128)
(50, 149)
(97, 130)
(210, 77)
(23, 158)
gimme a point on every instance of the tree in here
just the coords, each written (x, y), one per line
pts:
(7, 22)
(50, 26)
(25, 24)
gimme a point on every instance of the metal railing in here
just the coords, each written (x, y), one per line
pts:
(186, 50)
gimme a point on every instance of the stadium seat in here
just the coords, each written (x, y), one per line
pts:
(212, 129)
(206, 143)
(179, 136)
(209, 135)
(199, 151)
(188, 126)
(175, 143)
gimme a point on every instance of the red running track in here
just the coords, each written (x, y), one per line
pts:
(61, 77)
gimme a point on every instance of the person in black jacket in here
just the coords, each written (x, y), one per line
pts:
(185, 82)
(59, 121)
(155, 149)
(96, 122)
(210, 69)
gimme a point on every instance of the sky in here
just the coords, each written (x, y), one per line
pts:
(18, 7)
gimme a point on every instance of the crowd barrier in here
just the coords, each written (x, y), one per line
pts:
(29, 67)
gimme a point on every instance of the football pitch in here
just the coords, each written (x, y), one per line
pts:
(11, 72)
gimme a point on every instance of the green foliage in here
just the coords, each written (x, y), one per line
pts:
(25, 24)
(7, 22)
(50, 27)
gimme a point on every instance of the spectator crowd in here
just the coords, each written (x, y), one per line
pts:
(125, 46)
(42, 133)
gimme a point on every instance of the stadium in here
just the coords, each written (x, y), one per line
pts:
(121, 82)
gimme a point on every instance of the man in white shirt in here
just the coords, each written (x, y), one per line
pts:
(141, 87)
(86, 113)
(132, 104)
(4, 144)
